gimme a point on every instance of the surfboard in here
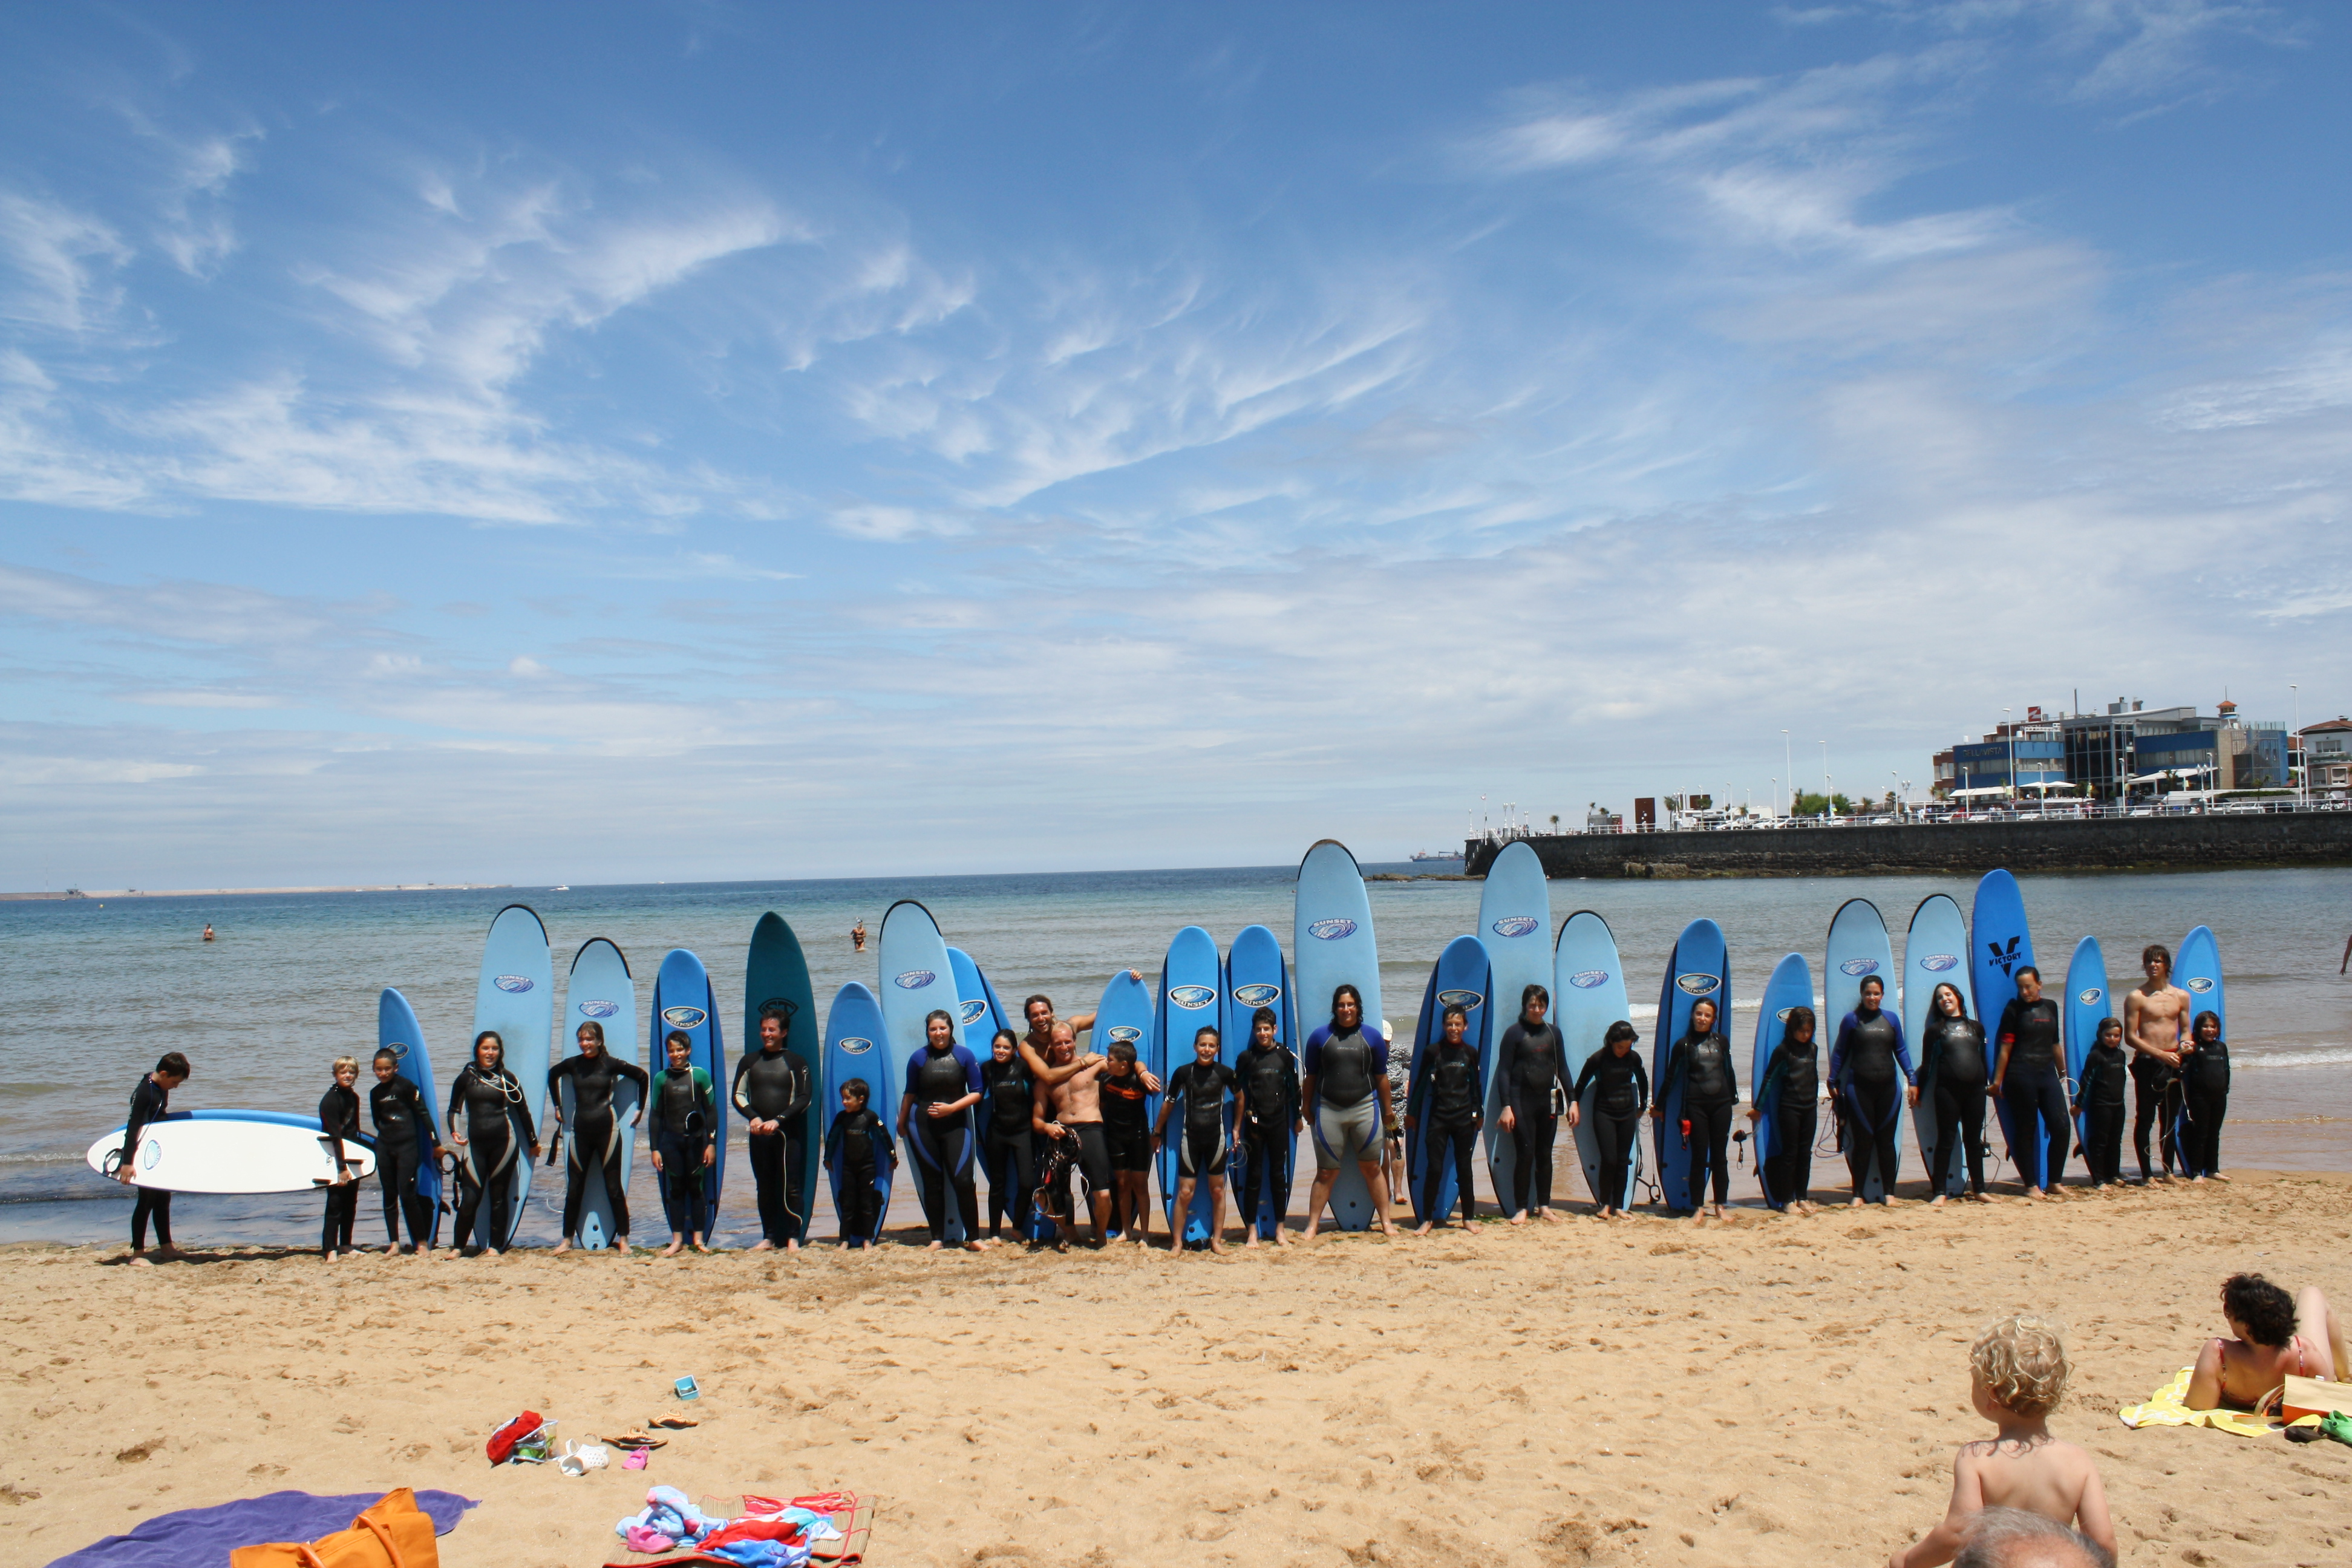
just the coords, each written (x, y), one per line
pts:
(1126, 1014)
(1257, 976)
(2088, 1006)
(1333, 946)
(1791, 987)
(776, 974)
(1859, 951)
(515, 995)
(683, 1000)
(1698, 970)
(1934, 953)
(1588, 994)
(2198, 971)
(1192, 982)
(1515, 926)
(855, 1044)
(602, 992)
(397, 1031)
(918, 979)
(1458, 977)
(1999, 944)
(240, 1151)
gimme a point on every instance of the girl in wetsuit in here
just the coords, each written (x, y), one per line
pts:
(1445, 1107)
(1346, 1079)
(1532, 1064)
(488, 1101)
(1701, 1062)
(339, 1117)
(2026, 1078)
(684, 1116)
(598, 1139)
(934, 1117)
(2205, 1078)
(2099, 1101)
(1952, 1088)
(1621, 1092)
(1007, 1154)
(1863, 1064)
(1791, 1096)
(404, 1142)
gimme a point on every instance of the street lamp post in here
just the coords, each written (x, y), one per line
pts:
(1789, 772)
(1827, 809)
(2010, 730)
(2294, 739)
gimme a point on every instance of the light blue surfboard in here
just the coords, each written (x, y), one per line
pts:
(978, 1014)
(1515, 925)
(1934, 953)
(2087, 1006)
(1859, 951)
(1588, 994)
(515, 995)
(397, 1031)
(683, 1000)
(917, 978)
(1459, 977)
(1332, 944)
(1999, 944)
(1791, 987)
(1698, 970)
(1126, 1014)
(1192, 982)
(602, 992)
(776, 974)
(855, 1043)
(1257, 976)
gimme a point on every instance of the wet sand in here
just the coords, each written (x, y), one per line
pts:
(1778, 1390)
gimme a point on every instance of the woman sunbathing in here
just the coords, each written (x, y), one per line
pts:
(2278, 1336)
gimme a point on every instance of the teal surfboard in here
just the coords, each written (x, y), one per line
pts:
(682, 1000)
(2087, 1006)
(1515, 927)
(515, 995)
(1791, 987)
(1934, 953)
(776, 975)
(1698, 970)
(1191, 982)
(1859, 949)
(1125, 1015)
(397, 1031)
(1458, 978)
(1257, 976)
(600, 992)
(1333, 946)
(1999, 944)
(854, 1046)
(1588, 994)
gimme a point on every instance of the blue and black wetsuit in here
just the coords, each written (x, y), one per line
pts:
(1350, 1070)
(599, 1138)
(1870, 1065)
(943, 1145)
(404, 1142)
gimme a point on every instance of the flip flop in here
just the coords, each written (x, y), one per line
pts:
(672, 1423)
(637, 1440)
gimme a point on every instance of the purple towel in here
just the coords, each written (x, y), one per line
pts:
(204, 1537)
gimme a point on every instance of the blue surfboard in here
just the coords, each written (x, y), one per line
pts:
(776, 974)
(1192, 979)
(2087, 1006)
(1515, 926)
(683, 1000)
(978, 1014)
(2198, 971)
(397, 1031)
(1791, 987)
(1333, 946)
(600, 992)
(1999, 944)
(1934, 953)
(515, 995)
(1126, 1014)
(855, 1044)
(1859, 951)
(1459, 978)
(1698, 970)
(918, 979)
(1588, 994)
(1257, 976)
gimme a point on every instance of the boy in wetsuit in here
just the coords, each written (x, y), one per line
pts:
(1530, 1064)
(856, 1146)
(773, 1090)
(1267, 1115)
(1445, 1108)
(1127, 1129)
(1203, 1085)
(2099, 1101)
(404, 1142)
(151, 1099)
(339, 1119)
(680, 1140)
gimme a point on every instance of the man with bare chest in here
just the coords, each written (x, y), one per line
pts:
(2156, 1024)
(1070, 1109)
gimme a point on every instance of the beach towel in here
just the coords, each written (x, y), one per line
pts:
(204, 1537)
(2168, 1407)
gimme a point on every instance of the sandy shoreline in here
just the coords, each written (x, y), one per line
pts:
(1776, 1391)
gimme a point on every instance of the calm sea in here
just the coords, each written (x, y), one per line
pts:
(91, 995)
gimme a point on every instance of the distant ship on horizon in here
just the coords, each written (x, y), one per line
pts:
(1420, 855)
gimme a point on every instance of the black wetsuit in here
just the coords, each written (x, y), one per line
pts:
(404, 1142)
(1445, 1108)
(852, 1145)
(1710, 1087)
(599, 1138)
(1869, 1065)
(2156, 1085)
(2205, 1080)
(777, 1086)
(496, 1119)
(1789, 1097)
(943, 1145)
(1126, 1133)
(1952, 1091)
(1620, 1087)
(150, 1101)
(1202, 1087)
(1007, 1147)
(2033, 1089)
(1529, 1065)
(339, 1117)
(2101, 1097)
(683, 1120)
(1269, 1131)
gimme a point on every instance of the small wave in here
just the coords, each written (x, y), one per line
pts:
(2315, 1056)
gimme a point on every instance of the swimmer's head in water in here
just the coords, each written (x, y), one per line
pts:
(2262, 1311)
(2020, 1363)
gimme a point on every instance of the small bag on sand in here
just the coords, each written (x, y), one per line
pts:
(392, 1533)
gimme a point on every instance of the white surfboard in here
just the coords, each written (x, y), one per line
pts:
(232, 1151)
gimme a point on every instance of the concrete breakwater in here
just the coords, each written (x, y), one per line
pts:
(2130, 844)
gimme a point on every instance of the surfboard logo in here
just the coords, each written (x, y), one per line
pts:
(2200, 983)
(1859, 966)
(399, 1049)
(151, 1153)
(855, 1045)
(1127, 1032)
(1697, 985)
(1332, 930)
(1470, 1001)
(1586, 980)
(599, 1009)
(1516, 925)
(515, 984)
(1937, 962)
(972, 1013)
(1782, 1016)
(913, 980)
(2004, 956)
(2091, 997)
(684, 1017)
(1191, 998)
(1257, 995)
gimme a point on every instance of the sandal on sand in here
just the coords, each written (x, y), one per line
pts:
(672, 1423)
(633, 1440)
(578, 1458)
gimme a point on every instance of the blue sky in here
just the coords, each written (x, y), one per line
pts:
(611, 443)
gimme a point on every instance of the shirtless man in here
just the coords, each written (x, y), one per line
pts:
(2156, 1024)
(1037, 1044)
(2276, 1335)
(1070, 1105)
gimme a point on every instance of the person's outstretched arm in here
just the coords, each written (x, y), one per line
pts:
(2091, 1510)
(1942, 1543)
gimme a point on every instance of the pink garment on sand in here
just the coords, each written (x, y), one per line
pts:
(646, 1539)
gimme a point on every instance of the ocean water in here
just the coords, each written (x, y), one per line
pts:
(91, 994)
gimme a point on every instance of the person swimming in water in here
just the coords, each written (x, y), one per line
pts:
(2205, 1090)
(684, 1117)
(1344, 1079)
(1203, 1085)
(773, 1092)
(404, 1142)
(2276, 1335)
(1869, 1051)
(599, 1142)
(857, 1146)
(2099, 1105)
(935, 1119)
(2026, 1078)
(490, 1099)
(1952, 1090)
(1531, 1065)
(1445, 1110)
(1008, 1148)
(1267, 1114)
(1620, 1087)
(1790, 1095)
(1700, 1064)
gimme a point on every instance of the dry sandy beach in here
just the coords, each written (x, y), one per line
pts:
(1779, 1391)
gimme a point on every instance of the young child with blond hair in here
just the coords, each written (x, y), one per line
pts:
(2018, 1372)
